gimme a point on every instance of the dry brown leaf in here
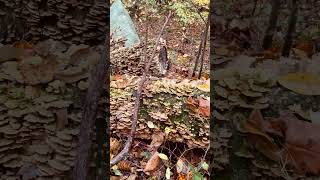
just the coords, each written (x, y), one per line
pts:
(257, 136)
(157, 139)
(114, 146)
(124, 165)
(302, 146)
(132, 177)
(153, 163)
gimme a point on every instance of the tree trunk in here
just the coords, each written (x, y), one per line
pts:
(291, 29)
(97, 80)
(273, 20)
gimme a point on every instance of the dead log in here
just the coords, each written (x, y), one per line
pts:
(166, 103)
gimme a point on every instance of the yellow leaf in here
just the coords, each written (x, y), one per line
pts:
(163, 156)
(302, 83)
(167, 130)
(204, 87)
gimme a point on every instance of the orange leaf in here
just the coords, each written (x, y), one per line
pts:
(192, 104)
(305, 46)
(204, 107)
(23, 45)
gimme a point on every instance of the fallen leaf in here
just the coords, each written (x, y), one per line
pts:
(124, 165)
(204, 107)
(150, 124)
(302, 142)
(157, 140)
(153, 163)
(205, 86)
(163, 156)
(182, 167)
(302, 83)
(205, 166)
(167, 130)
(192, 104)
(255, 127)
(168, 173)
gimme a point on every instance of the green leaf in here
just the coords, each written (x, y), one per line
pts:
(205, 166)
(163, 156)
(197, 176)
(168, 173)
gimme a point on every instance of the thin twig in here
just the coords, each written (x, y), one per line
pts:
(134, 117)
(198, 54)
(254, 7)
(204, 46)
(197, 57)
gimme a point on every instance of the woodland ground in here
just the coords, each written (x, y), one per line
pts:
(182, 48)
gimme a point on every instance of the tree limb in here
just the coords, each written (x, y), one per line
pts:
(134, 117)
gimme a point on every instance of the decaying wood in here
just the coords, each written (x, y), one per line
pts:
(165, 103)
(126, 149)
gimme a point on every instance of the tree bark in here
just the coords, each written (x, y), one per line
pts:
(273, 20)
(97, 81)
(291, 29)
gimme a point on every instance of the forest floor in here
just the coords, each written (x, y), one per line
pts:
(182, 46)
(286, 114)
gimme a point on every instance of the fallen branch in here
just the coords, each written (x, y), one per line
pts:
(134, 117)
